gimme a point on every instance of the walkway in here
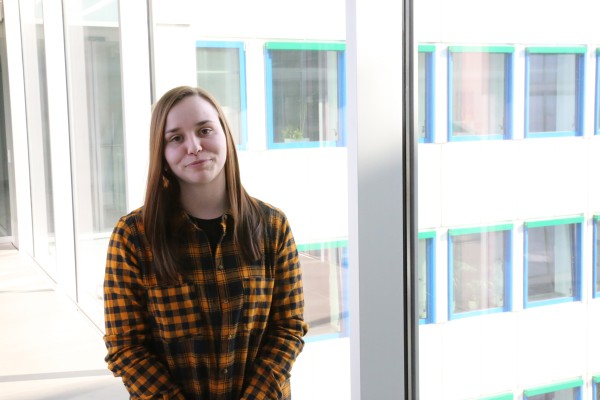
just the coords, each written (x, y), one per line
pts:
(48, 348)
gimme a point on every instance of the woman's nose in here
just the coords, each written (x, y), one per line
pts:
(194, 145)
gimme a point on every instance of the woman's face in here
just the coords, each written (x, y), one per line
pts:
(195, 144)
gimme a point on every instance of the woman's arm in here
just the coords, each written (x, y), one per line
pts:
(126, 321)
(282, 341)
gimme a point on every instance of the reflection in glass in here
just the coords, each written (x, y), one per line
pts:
(219, 70)
(97, 140)
(424, 277)
(324, 274)
(565, 394)
(597, 253)
(478, 270)
(305, 95)
(479, 97)
(36, 92)
(5, 218)
(553, 92)
(551, 261)
(422, 91)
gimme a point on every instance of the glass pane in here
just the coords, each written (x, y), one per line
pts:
(218, 71)
(597, 254)
(36, 96)
(96, 120)
(324, 272)
(551, 262)
(305, 95)
(553, 92)
(478, 94)
(5, 217)
(424, 260)
(566, 394)
(478, 271)
(422, 96)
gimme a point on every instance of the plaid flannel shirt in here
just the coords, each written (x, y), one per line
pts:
(226, 330)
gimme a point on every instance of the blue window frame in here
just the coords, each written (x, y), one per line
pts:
(479, 270)
(426, 89)
(325, 280)
(306, 100)
(596, 257)
(596, 387)
(426, 277)
(552, 261)
(597, 124)
(554, 91)
(571, 390)
(221, 69)
(480, 90)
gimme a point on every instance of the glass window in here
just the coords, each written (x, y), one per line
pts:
(598, 91)
(563, 391)
(554, 90)
(92, 37)
(5, 213)
(596, 256)
(220, 68)
(425, 122)
(596, 387)
(552, 261)
(426, 288)
(479, 261)
(324, 276)
(36, 97)
(480, 90)
(305, 94)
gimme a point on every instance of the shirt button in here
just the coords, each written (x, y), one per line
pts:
(220, 267)
(225, 371)
(231, 336)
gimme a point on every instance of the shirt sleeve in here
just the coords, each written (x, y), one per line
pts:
(126, 323)
(283, 341)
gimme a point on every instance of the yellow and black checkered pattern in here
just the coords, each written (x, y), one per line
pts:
(226, 330)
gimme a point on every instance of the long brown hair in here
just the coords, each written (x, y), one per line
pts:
(163, 191)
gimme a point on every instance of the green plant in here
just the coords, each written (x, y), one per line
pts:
(293, 133)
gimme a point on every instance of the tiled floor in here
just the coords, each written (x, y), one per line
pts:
(48, 349)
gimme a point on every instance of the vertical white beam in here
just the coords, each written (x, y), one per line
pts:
(375, 125)
(135, 62)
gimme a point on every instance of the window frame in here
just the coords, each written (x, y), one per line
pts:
(578, 51)
(429, 51)
(508, 90)
(595, 255)
(507, 396)
(430, 245)
(508, 250)
(595, 386)
(241, 47)
(341, 76)
(597, 111)
(575, 383)
(578, 221)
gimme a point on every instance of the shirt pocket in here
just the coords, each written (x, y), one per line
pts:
(176, 311)
(258, 295)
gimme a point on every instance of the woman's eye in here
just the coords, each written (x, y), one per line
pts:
(174, 139)
(205, 131)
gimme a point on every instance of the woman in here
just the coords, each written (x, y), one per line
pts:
(203, 291)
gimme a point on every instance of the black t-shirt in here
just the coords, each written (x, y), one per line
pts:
(212, 228)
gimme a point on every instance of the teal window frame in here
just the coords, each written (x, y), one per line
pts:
(577, 281)
(428, 51)
(507, 285)
(507, 396)
(429, 238)
(240, 46)
(529, 394)
(508, 91)
(579, 53)
(344, 329)
(340, 48)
